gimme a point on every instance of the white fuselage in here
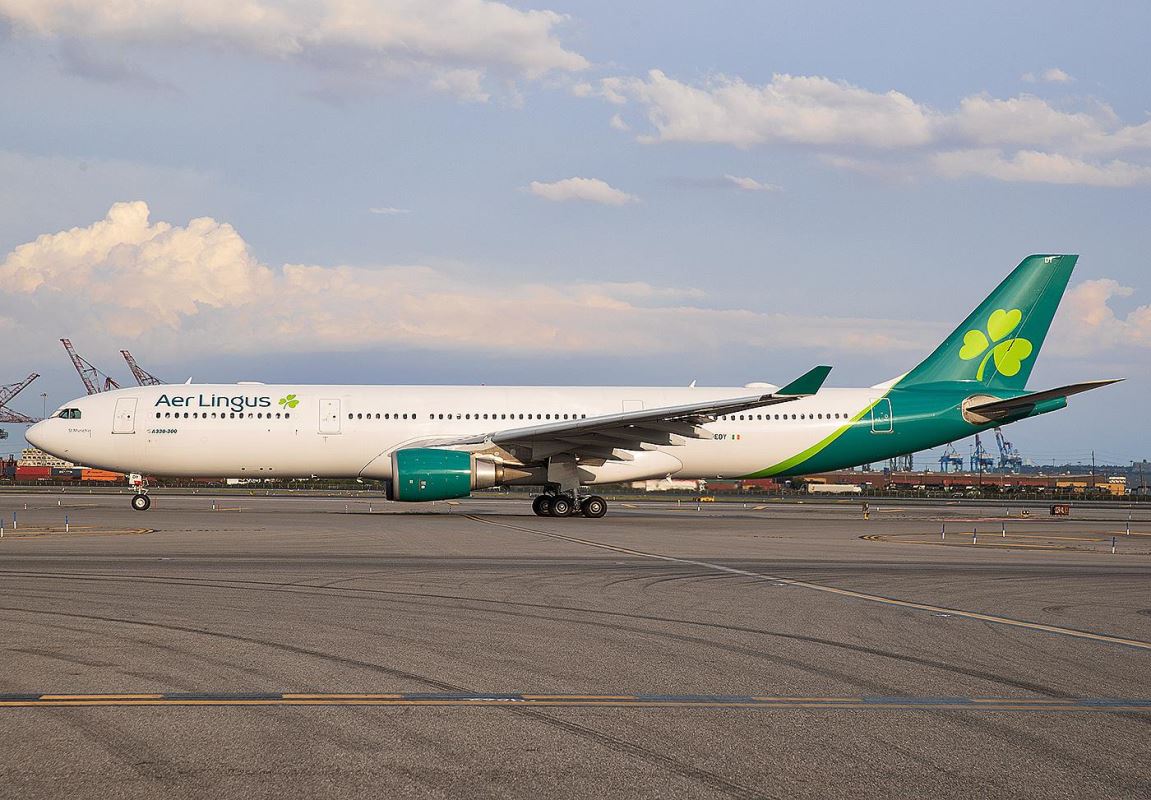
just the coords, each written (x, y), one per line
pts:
(257, 431)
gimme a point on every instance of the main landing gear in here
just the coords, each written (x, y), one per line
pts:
(563, 505)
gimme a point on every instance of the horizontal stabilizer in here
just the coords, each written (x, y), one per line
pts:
(1003, 408)
(806, 384)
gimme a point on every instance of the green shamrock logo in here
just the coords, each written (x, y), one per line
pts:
(290, 401)
(1009, 354)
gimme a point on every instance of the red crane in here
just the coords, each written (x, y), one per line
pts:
(7, 393)
(143, 377)
(88, 373)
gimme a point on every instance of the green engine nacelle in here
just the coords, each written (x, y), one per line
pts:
(425, 473)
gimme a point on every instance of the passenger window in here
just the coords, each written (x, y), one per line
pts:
(157, 415)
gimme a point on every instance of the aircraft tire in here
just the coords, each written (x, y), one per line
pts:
(540, 505)
(593, 507)
(141, 502)
(560, 506)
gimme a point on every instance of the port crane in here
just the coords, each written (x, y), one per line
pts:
(951, 461)
(1009, 457)
(89, 374)
(902, 463)
(142, 376)
(7, 392)
(981, 460)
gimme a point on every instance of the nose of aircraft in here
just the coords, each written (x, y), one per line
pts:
(35, 435)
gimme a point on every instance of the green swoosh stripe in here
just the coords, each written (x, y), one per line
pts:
(816, 448)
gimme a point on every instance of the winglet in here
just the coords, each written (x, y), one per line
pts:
(807, 383)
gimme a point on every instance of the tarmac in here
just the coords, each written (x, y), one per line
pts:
(250, 647)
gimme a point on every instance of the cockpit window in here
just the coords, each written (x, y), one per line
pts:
(69, 413)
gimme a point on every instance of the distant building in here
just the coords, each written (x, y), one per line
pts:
(32, 457)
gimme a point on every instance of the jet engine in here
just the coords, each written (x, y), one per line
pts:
(428, 473)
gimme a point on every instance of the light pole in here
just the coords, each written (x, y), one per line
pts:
(44, 403)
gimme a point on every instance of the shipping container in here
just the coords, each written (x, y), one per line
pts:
(33, 473)
(66, 473)
(101, 475)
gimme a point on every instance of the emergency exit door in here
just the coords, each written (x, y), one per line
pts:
(330, 415)
(125, 420)
(881, 416)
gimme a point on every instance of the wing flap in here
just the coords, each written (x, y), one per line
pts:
(612, 436)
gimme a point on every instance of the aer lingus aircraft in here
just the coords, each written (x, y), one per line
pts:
(441, 442)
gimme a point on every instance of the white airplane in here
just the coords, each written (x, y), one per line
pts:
(441, 442)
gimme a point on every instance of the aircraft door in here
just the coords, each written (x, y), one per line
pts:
(881, 416)
(125, 419)
(330, 415)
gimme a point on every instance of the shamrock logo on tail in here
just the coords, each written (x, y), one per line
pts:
(1009, 354)
(289, 401)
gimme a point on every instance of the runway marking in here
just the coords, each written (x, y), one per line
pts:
(1078, 704)
(871, 598)
(993, 538)
(28, 532)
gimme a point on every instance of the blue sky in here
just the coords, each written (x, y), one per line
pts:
(561, 192)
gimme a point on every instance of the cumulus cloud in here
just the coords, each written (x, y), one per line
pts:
(1024, 138)
(198, 287)
(617, 122)
(1051, 75)
(592, 190)
(453, 44)
(789, 109)
(1035, 167)
(750, 184)
(1087, 324)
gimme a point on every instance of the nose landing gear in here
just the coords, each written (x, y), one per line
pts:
(140, 500)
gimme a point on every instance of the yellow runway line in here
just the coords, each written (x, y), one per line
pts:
(321, 696)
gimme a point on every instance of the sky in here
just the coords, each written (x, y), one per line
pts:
(571, 193)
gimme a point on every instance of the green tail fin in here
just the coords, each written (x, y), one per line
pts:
(997, 345)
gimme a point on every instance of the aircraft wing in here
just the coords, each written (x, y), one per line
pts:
(1003, 408)
(611, 436)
